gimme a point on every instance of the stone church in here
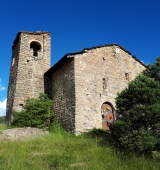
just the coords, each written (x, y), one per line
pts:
(83, 85)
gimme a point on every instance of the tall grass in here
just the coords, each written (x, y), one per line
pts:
(63, 151)
(2, 123)
(2, 119)
(2, 126)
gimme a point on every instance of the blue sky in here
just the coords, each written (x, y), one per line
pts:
(78, 24)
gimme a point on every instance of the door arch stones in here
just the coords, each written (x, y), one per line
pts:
(107, 112)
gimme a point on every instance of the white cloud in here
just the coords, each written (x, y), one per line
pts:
(3, 107)
(1, 86)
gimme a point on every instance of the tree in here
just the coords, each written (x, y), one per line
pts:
(153, 70)
(35, 113)
(139, 128)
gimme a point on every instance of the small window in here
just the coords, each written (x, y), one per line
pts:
(117, 50)
(104, 83)
(36, 47)
(13, 60)
(127, 76)
(20, 106)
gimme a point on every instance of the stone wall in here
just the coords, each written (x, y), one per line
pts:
(12, 81)
(28, 70)
(48, 85)
(63, 95)
(99, 74)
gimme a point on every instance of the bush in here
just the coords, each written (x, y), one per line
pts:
(2, 119)
(139, 128)
(55, 127)
(153, 70)
(36, 113)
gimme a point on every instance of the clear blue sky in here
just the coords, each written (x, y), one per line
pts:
(78, 24)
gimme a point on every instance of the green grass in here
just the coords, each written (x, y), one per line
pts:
(2, 119)
(2, 123)
(2, 127)
(63, 151)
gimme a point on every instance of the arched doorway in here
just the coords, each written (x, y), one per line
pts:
(107, 111)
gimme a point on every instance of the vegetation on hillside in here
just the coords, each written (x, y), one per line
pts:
(61, 150)
(35, 113)
(2, 119)
(153, 70)
(139, 128)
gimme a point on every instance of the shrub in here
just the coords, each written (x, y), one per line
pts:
(35, 113)
(153, 70)
(2, 119)
(139, 128)
(55, 127)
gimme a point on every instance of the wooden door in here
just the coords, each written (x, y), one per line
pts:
(107, 116)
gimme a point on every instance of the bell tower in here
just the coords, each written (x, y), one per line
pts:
(30, 60)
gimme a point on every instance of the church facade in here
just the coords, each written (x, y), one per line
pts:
(83, 85)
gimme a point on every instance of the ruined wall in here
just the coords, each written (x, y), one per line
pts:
(26, 76)
(63, 95)
(99, 74)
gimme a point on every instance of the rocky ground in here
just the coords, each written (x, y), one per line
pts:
(21, 133)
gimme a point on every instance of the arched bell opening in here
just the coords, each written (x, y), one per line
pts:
(36, 46)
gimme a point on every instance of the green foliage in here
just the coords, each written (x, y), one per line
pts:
(153, 70)
(61, 152)
(2, 119)
(93, 133)
(3, 126)
(35, 113)
(55, 151)
(55, 127)
(139, 128)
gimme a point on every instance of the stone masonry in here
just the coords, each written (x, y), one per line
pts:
(82, 85)
(100, 73)
(30, 60)
(63, 95)
(83, 81)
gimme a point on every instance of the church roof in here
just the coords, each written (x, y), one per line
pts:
(26, 32)
(68, 56)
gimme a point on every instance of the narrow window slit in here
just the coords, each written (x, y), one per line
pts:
(127, 76)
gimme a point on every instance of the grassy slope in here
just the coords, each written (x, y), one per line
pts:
(2, 119)
(60, 150)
